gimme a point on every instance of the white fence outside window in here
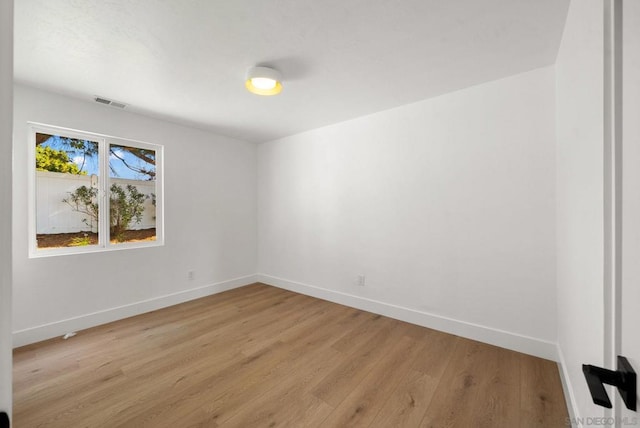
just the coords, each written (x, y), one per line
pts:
(55, 216)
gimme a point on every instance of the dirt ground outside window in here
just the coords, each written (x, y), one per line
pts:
(61, 240)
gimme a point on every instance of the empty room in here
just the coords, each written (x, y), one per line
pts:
(319, 213)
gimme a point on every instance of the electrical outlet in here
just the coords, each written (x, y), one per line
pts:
(360, 281)
(191, 275)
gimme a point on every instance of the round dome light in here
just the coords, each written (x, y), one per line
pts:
(263, 81)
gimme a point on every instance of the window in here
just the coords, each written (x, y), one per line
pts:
(91, 192)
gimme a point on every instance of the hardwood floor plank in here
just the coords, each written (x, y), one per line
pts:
(261, 356)
(500, 403)
(306, 313)
(288, 400)
(340, 381)
(362, 405)
(542, 398)
(408, 404)
(297, 356)
(223, 396)
(461, 393)
(360, 334)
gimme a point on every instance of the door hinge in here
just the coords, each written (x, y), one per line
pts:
(4, 420)
(624, 379)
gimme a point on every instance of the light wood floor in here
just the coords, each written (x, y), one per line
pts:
(260, 356)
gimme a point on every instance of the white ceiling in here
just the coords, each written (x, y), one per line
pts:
(185, 61)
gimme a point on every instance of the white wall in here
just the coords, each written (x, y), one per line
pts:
(210, 224)
(6, 112)
(445, 205)
(580, 243)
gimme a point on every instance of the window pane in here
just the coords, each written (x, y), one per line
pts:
(67, 171)
(132, 188)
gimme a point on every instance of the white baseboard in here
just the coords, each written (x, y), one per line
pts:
(504, 339)
(567, 388)
(59, 328)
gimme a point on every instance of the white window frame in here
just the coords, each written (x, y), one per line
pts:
(103, 141)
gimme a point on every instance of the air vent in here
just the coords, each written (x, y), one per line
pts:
(109, 102)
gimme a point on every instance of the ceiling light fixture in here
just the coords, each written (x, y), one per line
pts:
(264, 81)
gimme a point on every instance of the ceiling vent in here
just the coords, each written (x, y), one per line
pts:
(109, 102)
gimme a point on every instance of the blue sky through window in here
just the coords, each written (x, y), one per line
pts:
(84, 153)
